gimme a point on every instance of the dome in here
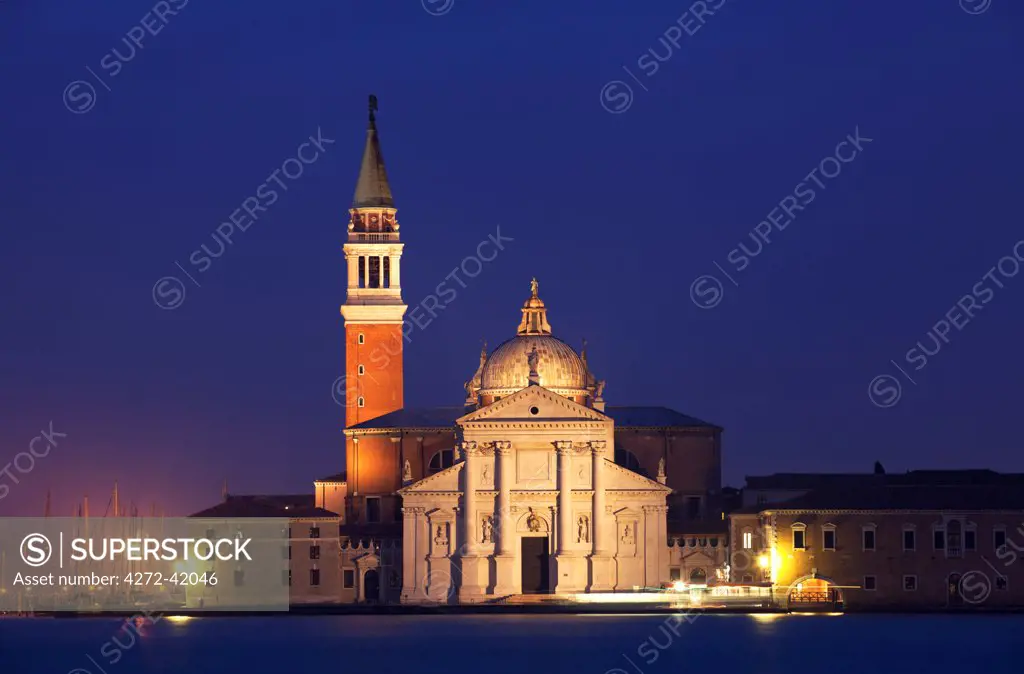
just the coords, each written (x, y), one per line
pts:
(507, 369)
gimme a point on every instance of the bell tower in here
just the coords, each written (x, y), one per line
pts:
(373, 307)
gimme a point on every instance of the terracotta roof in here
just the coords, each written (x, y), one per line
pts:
(919, 497)
(443, 418)
(293, 506)
(800, 481)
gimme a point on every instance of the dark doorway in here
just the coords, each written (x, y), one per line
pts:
(371, 586)
(535, 565)
(954, 598)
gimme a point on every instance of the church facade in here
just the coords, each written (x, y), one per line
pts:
(533, 484)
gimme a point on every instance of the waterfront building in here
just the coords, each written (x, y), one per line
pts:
(922, 539)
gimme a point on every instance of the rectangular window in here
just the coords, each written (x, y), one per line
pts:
(910, 583)
(828, 539)
(373, 509)
(909, 540)
(348, 578)
(869, 539)
(870, 583)
(1001, 583)
(314, 552)
(799, 539)
(748, 540)
(314, 577)
(314, 532)
(673, 573)
(940, 539)
(362, 276)
(970, 539)
(999, 538)
(239, 578)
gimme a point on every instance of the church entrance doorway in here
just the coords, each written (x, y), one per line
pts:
(535, 565)
(371, 586)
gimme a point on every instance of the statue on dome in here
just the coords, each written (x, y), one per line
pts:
(533, 360)
(534, 287)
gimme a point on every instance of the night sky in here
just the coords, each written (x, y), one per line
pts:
(496, 115)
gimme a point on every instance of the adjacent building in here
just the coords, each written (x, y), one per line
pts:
(922, 539)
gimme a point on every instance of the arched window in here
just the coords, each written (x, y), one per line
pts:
(627, 459)
(698, 576)
(440, 460)
(360, 402)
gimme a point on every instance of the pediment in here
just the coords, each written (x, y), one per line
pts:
(445, 480)
(617, 477)
(518, 407)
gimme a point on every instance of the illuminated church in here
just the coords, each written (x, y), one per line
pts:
(533, 485)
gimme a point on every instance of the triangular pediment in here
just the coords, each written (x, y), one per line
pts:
(520, 406)
(617, 477)
(445, 480)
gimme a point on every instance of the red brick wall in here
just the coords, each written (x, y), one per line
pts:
(381, 385)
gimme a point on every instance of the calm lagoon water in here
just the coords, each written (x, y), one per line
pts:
(592, 644)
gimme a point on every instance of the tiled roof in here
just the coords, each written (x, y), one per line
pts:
(800, 481)
(963, 498)
(652, 416)
(444, 417)
(415, 417)
(293, 506)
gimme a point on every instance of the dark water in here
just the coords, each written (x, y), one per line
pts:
(519, 644)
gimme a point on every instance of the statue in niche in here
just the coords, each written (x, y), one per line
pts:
(627, 535)
(533, 522)
(583, 529)
(407, 471)
(441, 538)
(485, 474)
(488, 530)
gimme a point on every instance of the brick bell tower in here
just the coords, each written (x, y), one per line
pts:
(373, 307)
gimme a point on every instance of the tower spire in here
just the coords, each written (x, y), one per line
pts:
(372, 188)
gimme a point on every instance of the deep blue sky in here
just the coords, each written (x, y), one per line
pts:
(490, 116)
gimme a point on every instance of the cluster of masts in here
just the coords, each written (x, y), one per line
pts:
(114, 507)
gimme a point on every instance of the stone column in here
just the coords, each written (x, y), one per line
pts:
(396, 279)
(503, 463)
(469, 471)
(366, 271)
(569, 576)
(414, 555)
(475, 572)
(504, 560)
(564, 449)
(353, 271)
(597, 501)
(600, 557)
